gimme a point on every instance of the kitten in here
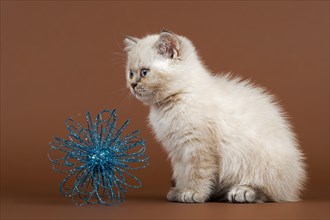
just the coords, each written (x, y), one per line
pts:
(226, 138)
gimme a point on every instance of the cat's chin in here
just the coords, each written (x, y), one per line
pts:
(144, 99)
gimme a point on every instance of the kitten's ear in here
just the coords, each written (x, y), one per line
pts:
(168, 44)
(130, 42)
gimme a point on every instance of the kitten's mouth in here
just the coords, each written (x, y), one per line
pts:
(137, 93)
(140, 92)
(143, 95)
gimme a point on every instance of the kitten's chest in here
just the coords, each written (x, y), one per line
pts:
(168, 126)
(161, 123)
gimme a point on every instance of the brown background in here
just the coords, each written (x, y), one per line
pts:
(60, 58)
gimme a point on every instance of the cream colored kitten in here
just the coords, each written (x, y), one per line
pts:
(226, 138)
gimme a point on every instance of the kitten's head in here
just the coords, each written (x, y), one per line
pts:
(154, 64)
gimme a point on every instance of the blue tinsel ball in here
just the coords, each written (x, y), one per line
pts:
(97, 159)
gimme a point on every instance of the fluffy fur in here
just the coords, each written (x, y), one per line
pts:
(226, 138)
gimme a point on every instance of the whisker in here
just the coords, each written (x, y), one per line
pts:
(119, 46)
(118, 90)
(127, 97)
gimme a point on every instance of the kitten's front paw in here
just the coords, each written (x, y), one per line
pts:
(245, 194)
(172, 195)
(188, 196)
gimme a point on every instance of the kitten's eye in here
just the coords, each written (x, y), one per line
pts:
(131, 74)
(144, 72)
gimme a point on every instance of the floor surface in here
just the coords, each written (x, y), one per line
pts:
(156, 207)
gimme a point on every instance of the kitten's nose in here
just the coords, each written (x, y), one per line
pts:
(133, 85)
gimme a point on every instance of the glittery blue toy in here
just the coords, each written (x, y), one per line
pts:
(97, 160)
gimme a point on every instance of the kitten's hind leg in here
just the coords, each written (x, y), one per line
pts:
(246, 194)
